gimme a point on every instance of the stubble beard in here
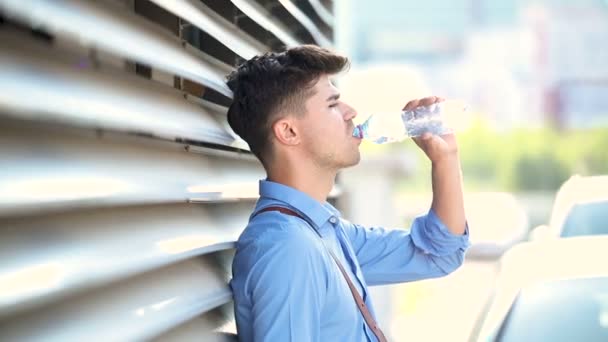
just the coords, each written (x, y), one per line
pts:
(331, 162)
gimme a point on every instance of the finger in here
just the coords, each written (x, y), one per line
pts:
(427, 101)
(411, 105)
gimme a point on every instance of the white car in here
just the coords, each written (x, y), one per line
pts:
(554, 290)
(580, 208)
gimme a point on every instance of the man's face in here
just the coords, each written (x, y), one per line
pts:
(327, 128)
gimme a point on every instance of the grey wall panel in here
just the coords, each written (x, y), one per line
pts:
(259, 14)
(135, 309)
(46, 168)
(121, 192)
(322, 12)
(306, 22)
(99, 99)
(82, 249)
(207, 20)
(201, 328)
(112, 28)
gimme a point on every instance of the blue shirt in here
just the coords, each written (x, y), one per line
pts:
(287, 287)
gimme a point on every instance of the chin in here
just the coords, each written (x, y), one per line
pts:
(354, 160)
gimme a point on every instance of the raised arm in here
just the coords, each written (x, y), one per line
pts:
(442, 150)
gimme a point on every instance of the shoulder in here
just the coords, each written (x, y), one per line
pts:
(270, 226)
(352, 230)
(274, 234)
(277, 250)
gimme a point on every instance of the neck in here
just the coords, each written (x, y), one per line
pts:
(310, 179)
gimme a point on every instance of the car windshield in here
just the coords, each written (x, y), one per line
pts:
(565, 310)
(587, 219)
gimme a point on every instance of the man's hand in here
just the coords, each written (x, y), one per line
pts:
(447, 182)
(435, 147)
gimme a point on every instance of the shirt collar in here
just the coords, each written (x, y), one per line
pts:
(317, 212)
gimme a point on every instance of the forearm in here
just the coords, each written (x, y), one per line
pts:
(448, 202)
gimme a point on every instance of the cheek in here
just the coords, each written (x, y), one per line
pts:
(319, 138)
(325, 130)
(312, 135)
(335, 120)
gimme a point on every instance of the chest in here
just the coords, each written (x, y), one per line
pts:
(340, 308)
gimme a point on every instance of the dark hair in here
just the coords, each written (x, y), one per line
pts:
(266, 86)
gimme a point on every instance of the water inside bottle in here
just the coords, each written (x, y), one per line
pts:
(436, 118)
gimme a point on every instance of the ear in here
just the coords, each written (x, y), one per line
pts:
(286, 131)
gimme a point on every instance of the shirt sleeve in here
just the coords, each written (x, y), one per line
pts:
(287, 287)
(427, 250)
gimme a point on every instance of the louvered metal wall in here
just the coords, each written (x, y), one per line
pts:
(122, 188)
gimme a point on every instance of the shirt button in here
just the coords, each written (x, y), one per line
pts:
(333, 220)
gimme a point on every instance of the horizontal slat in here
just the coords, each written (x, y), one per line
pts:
(201, 328)
(308, 24)
(245, 191)
(135, 309)
(221, 68)
(45, 168)
(323, 13)
(112, 28)
(72, 251)
(100, 99)
(263, 18)
(214, 24)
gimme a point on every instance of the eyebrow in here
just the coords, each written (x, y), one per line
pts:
(333, 97)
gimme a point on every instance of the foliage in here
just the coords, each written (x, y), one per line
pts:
(524, 159)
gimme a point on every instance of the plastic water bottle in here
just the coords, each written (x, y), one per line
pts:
(387, 128)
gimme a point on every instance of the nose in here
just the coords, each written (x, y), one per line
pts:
(349, 112)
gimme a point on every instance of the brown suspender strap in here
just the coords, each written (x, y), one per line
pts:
(367, 316)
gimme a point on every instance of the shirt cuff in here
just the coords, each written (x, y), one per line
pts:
(432, 236)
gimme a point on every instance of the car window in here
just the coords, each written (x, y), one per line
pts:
(565, 310)
(586, 219)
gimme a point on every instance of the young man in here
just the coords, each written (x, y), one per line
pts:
(287, 281)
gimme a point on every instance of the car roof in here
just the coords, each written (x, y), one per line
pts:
(530, 263)
(573, 257)
(577, 190)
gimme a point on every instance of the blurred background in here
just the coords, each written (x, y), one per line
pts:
(122, 188)
(535, 78)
